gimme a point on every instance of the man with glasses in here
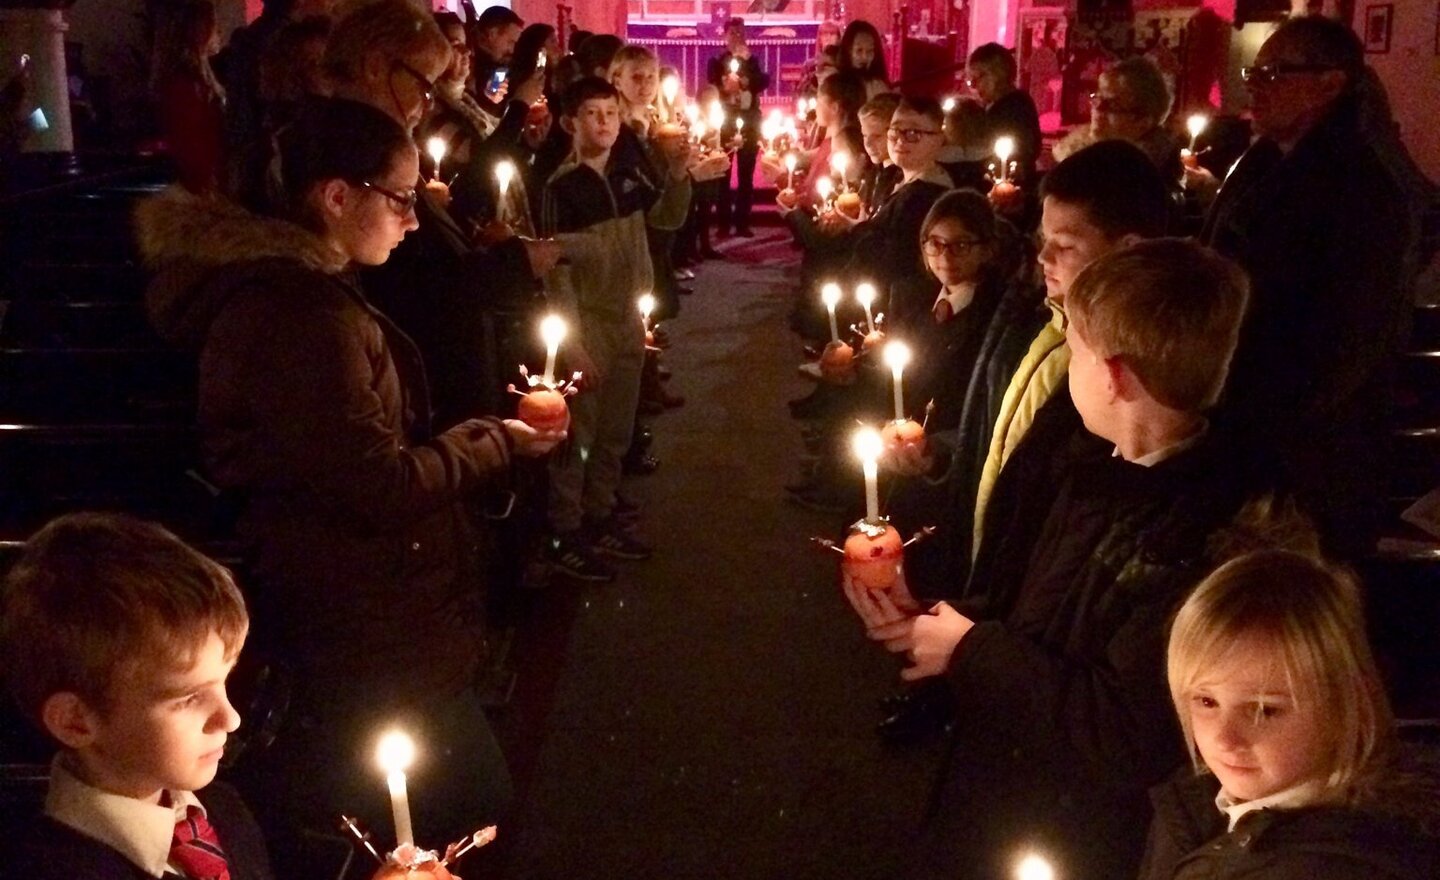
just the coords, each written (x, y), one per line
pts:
(1322, 227)
(1131, 102)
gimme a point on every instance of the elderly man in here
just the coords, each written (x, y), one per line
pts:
(1131, 103)
(1313, 215)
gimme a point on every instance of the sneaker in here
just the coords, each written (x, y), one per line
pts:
(571, 557)
(609, 539)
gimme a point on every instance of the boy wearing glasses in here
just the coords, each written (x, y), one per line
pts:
(1317, 218)
(887, 246)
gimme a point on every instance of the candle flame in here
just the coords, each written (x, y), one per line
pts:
(839, 163)
(1004, 148)
(948, 104)
(865, 294)
(504, 173)
(1034, 867)
(824, 186)
(553, 330)
(1196, 124)
(790, 162)
(739, 124)
(896, 354)
(868, 446)
(692, 113)
(647, 304)
(717, 115)
(734, 65)
(670, 87)
(830, 295)
(395, 752)
(436, 147)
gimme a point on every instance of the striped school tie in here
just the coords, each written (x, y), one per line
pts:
(195, 849)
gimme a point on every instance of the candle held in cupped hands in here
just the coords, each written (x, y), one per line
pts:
(868, 447)
(1196, 125)
(1004, 149)
(552, 333)
(437, 148)
(395, 753)
(897, 357)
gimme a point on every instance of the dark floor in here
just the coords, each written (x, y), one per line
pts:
(712, 711)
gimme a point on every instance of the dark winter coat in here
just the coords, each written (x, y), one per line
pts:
(1393, 834)
(1014, 115)
(439, 290)
(1063, 717)
(49, 850)
(886, 247)
(1327, 242)
(313, 408)
(715, 72)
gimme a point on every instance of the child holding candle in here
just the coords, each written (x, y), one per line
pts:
(737, 74)
(1056, 674)
(117, 640)
(1296, 769)
(599, 204)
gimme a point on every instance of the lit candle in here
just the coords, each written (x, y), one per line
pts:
(552, 331)
(948, 104)
(830, 295)
(865, 293)
(717, 115)
(698, 129)
(868, 446)
(823, 187)
(504, 173)
(840, 163)
(692, 113)
(800, 107)
(670, 88)
(1196, 126)
(734, 66)
(395, 752)
(897, 355)
(436, 148)
(1004, 149)
(647, 306)
(541, 60)
(739, 126)
(790, 161)
(1033, 867)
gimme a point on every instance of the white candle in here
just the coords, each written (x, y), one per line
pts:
(735, 66)
(948, 104)
(897, 355)
(395, 752)
(692, 113)
(865, 293)
(436, 148)
(647, 306)
(868, 446)
(830, 295)
(552, 331)
(717, 115)
(670, 88)
(823, 187)
(790, 170)
(800, 107)
(1004, 149)
(840, 163)
(504, 173)
(1033, 867)
(1196, 126)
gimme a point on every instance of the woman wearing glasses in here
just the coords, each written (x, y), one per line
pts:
(313, 410)
(1131, 102)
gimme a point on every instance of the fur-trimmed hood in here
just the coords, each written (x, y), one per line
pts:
(184, 239)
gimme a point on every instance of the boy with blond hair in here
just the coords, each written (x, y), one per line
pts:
(116, 640)
(1062, 715)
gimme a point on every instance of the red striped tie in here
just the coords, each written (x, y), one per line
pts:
(196, 850)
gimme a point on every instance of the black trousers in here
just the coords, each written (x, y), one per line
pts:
(734, 207)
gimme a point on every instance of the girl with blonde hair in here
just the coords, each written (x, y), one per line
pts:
(1298, 770)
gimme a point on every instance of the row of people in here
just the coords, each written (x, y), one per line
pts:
(1172, 405)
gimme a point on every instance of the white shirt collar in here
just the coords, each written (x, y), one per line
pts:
(959, 298)
(933, 174)
(1150, 459)
(1301, 795)
(139, 831)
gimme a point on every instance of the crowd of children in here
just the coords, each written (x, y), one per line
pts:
(1124, 568)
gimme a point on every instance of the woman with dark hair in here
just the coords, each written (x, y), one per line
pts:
(535, 41)
(313, 410)
(862, 51)
(191, 102)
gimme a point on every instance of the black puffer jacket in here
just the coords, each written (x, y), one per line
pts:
(1393, 834)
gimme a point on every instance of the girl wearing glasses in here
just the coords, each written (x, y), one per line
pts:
(313, 409)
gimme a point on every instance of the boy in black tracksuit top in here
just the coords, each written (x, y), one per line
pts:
(598, 203)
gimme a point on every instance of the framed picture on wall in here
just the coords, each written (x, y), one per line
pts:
(1379, 21)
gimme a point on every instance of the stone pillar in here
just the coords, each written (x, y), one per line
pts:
(39, 33)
